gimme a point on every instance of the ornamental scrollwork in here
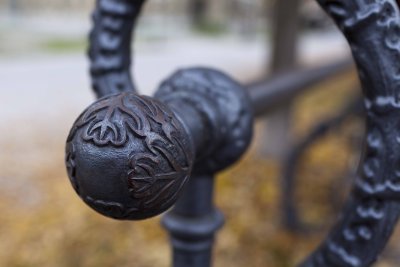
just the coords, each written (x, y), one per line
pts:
(110, 45)
(373, 31)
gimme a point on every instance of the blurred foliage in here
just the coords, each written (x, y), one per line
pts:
(210, 28)
(43, 223)
(60, 45)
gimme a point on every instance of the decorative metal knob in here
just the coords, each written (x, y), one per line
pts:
(128, 156)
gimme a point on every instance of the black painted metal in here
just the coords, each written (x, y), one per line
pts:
(129, 156)
(225, 115)
(193, 223)
(267, 95)
(362, 231)
(110, 45)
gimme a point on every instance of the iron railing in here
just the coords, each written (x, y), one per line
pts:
(130, 156)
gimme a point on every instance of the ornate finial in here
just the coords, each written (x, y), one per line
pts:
(128, 156)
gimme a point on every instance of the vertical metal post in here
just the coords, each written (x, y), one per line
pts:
(193, 222)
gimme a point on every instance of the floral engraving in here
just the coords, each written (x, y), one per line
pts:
(155, 151)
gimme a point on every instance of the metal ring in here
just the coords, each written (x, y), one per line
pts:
(372, 29)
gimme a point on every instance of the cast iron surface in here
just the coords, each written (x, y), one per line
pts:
(128, 156)
(372, 29)
(110, 41)
(225, 110)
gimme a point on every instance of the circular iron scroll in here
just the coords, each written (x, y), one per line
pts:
(372, 28)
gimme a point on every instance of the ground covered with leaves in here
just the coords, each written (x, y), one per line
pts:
(43, 223)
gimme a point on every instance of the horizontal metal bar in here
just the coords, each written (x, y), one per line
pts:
(281, 89)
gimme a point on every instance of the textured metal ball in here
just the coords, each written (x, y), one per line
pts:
(128, 156)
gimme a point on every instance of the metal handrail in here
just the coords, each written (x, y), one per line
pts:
(281, 89)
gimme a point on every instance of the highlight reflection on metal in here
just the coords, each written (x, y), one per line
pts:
(130, 156)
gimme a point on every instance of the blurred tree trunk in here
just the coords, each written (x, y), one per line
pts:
(285, 34)
(285, 21)
(279, 131)
(243, 17)
(13, 6)
(198, 11)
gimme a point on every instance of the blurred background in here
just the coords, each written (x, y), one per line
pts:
(44, 85)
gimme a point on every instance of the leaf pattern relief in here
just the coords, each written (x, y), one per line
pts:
(117, 210)
(106, 122)
(148, 180)
(71, 166)
(159, 164)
